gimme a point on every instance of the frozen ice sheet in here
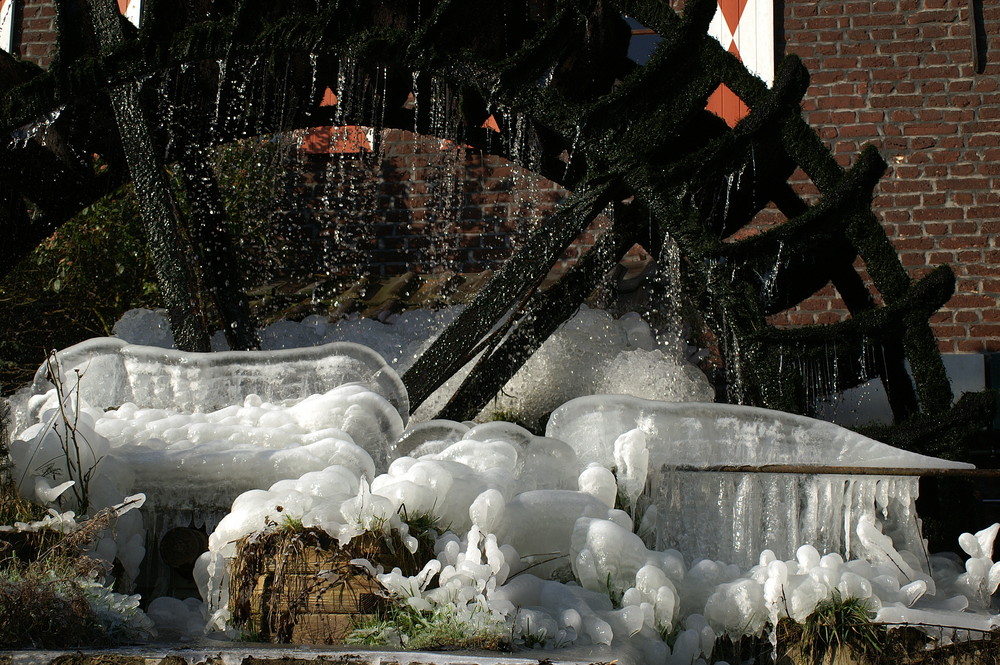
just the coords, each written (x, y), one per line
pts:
(704, 434)
(113, 372)
(757, 511)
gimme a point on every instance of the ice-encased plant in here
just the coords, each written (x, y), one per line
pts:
(59, 596)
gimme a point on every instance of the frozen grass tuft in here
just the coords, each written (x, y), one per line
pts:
(441, 629)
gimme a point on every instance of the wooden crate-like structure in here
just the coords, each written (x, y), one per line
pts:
(301, 587)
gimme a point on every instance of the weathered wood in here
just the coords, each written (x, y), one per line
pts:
(522, 271)
(531, 77)
(157, 207)
(543, 315)
(825, 470)
(302, 588)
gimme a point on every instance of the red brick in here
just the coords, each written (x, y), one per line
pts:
(963, 242)
(986, 330)
(990, 212)
(972, 346)
(971, 300)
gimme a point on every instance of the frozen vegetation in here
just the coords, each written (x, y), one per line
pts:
(587, 537)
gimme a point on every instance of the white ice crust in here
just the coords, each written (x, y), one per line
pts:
(117, 372)
(534, 545)
(514, 542)
(673, 452)
(704, 435)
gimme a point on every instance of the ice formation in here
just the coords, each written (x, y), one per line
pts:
(703, 435)
(533, 544)
(188, 460)
(183, 460)
(683, 446)
(591, 353)
(112, 372)
(561, 567)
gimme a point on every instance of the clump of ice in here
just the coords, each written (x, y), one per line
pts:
(176, 620)
(686, 455)
(592, 353)
(562, 567)
(107, 373)
(186, 460)
(541, 462)
(632, 464)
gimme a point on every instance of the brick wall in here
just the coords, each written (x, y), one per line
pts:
(414, 204)
(35, 34)
(899, 74)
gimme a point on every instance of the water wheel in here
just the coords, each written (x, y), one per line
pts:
(633, 141)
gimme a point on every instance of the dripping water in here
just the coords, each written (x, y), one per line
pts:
(313, 89)
(771, 282)
(21, 136)
(572, 150)
(221, 64)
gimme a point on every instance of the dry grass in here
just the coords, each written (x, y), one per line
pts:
(46, 613)
(42, 600)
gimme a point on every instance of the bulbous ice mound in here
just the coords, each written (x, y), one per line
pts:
(114, 372)
(705, 435)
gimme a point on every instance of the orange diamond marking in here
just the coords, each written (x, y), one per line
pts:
(732, 11)
(123, 6)
(329, 98)
(727, 105)
(735, 51)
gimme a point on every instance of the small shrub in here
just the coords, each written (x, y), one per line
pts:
(290, 524)
(46, 613)
(838, 623)
(51, 595)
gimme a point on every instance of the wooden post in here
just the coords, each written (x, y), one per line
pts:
(157, 207)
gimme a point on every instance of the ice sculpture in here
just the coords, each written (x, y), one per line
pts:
(114, 372)
(695, 501)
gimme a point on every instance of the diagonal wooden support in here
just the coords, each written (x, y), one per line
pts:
(157, 207)
(523, 270)
(543, 315)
